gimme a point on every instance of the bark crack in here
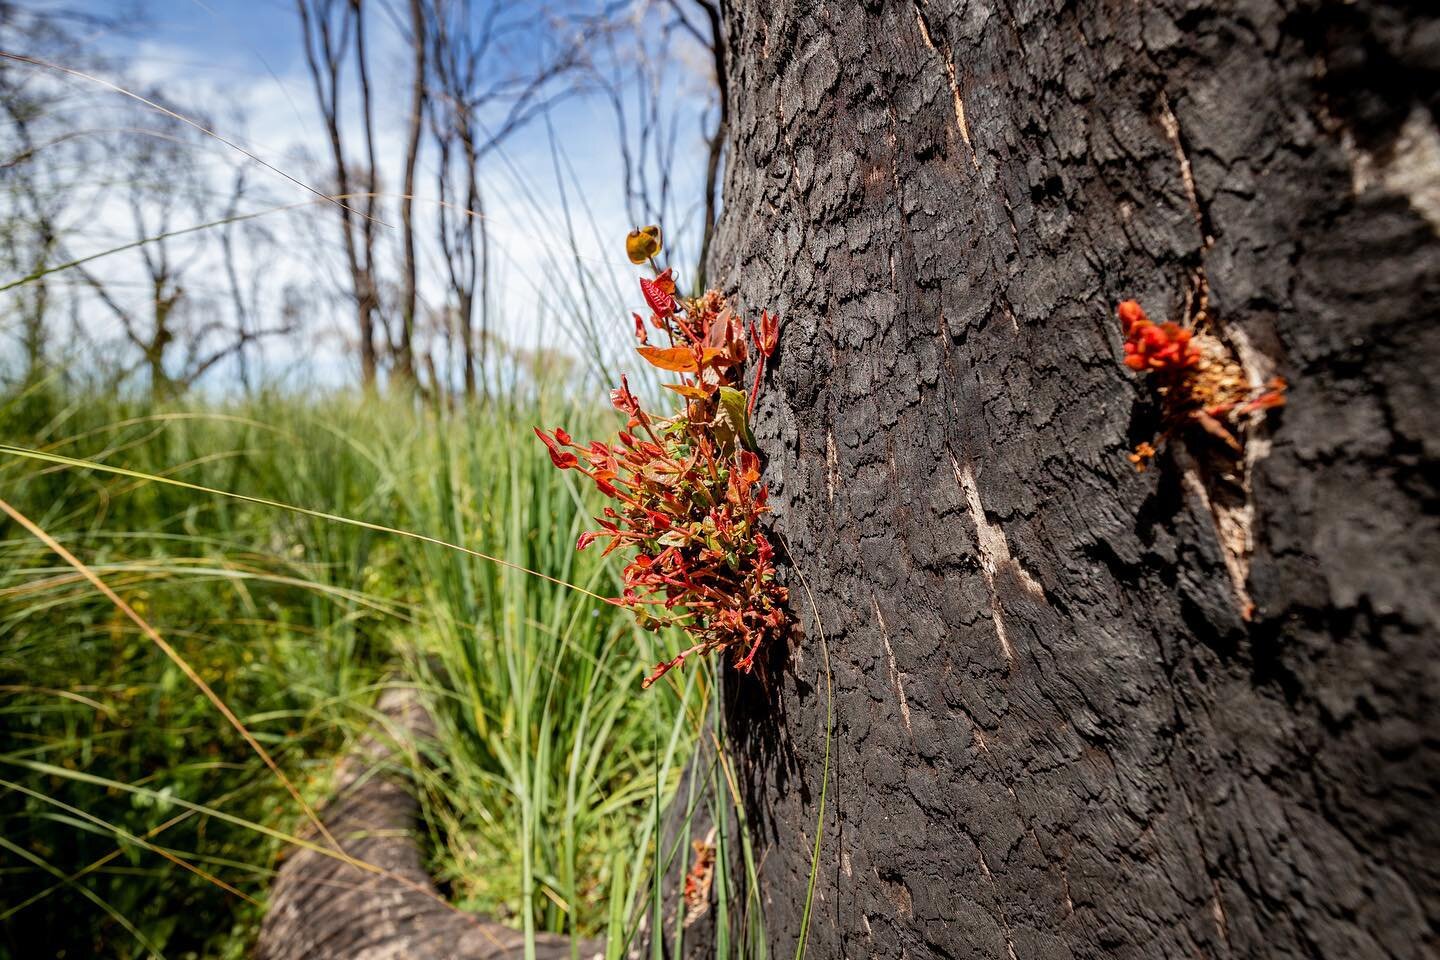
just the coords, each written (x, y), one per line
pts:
(1171, 125)
(994, 555)
(943, 52)
(895, 677)
(832, 466)
(1231, 511)
(1004, 917)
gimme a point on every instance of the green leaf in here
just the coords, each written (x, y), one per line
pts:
(732, 409)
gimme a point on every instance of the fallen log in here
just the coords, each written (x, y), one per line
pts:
(323, 907)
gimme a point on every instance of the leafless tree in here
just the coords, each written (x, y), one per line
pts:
(477, 101)
(42, 159)
(405, 357)
(29, 232)
(638, 70)
(459, 50)
(180, 336)
(333, 32)
(710, 34)
(244, 245)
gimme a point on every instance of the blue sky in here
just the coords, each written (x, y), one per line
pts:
(241, 62)
(250, 51)
(258, 28)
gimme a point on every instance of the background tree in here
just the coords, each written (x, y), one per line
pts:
(31, 234)
(333, 33)
(703, 20)
(243, 245)
(662, 72)
(43, 161)
(171, 316)
(1062, 725)
(479, 98)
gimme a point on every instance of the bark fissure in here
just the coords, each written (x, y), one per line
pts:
(895, 677)
(994, 555)
(942, 52)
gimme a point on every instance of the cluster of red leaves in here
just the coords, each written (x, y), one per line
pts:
(1161, 348)
(1199, 383)
(698, 880)
(687, 492)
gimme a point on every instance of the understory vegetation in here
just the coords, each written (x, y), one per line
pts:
(267, 454)
(136, 822)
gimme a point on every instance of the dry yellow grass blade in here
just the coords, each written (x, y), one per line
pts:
(59, 549)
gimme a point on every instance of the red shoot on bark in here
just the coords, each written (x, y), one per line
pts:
(766, 336)
(1163, 348)
(688, 500)
(1199, 382)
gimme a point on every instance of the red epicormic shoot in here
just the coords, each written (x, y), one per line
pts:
(766, 336)
(699, 879)
(687, 496)
(1198, 381)
(1161, 348)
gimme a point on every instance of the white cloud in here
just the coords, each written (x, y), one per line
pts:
(265, 104)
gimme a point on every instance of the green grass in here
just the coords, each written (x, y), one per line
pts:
(541, 791)
(136, 822)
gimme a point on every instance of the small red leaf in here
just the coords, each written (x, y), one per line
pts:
(661, 302)
(677, 359)
(561, 458)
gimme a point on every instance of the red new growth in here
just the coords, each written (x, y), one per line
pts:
(766, 336)
(698, 880)
(688, 499)
(1198, 381)
(559, 457)
(1164, 348)
(623, 399)
(659, 294)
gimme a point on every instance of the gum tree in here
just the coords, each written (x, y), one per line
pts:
(1081, 709)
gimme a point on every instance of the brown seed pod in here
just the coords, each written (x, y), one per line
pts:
(642, 243)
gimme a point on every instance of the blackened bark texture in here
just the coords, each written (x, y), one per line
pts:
(1056, 734)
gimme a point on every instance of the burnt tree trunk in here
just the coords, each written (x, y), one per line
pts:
(1081, 710)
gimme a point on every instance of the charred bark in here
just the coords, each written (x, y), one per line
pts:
(1056, 732)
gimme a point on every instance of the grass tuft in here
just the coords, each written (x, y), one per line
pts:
(139, 823)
